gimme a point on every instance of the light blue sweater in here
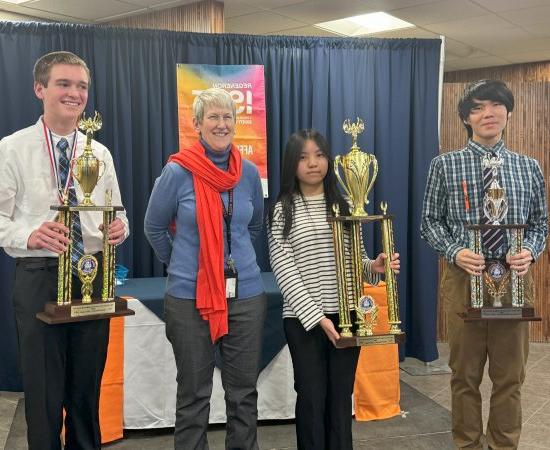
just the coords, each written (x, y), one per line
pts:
(173, 196)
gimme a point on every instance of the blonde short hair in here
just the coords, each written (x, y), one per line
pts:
(212, 97)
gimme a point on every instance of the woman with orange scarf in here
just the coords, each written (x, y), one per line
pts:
(214, 293)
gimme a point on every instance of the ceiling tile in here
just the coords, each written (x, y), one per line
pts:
(528, 56)
(234, 8)
(455, 49)
(388, 5)
(516, 44)
(442, 11)
(479, 28)
(508, 5)
(475, 63)
(539, 30)
(451, 66)
(37, 14)
(313, 12)
(306, 31)
(83, 9)
(260, 23)
(272, 4)
(530, 16)
(15, 17)
(157, 3)
(416, 33)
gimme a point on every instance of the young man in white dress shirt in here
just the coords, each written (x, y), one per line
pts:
(61, 365)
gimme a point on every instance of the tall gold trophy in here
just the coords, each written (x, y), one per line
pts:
(87, 170)
(498, 293)
(359, 171)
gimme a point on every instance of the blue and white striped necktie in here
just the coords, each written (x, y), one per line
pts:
(76, 237)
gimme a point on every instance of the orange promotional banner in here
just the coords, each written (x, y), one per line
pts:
(246, 85)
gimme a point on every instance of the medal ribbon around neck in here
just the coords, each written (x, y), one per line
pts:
(61, 190)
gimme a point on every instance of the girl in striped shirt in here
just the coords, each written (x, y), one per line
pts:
(302, 257)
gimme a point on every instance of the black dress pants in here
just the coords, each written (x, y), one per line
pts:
(323, 380)
(62, 365)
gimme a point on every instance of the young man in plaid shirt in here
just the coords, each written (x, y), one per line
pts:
(453, 199)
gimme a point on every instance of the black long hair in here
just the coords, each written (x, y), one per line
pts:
(290, 185)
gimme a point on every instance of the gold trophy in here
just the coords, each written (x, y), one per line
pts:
(502, 287)
(359, 171)
(86, 168)
(87, 172)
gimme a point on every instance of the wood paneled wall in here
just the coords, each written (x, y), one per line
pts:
(204, 17)
(528, 132)
(537, 71)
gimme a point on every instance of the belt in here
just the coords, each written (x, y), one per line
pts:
(44, 262)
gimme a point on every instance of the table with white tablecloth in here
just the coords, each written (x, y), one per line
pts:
(150, 377)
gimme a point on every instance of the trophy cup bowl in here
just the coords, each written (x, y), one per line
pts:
(358, 180)
(495, 204)
(86, 170)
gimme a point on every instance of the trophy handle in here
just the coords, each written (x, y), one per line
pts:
(374, 163)
(337, 162)
(102, 171)
(74, 170)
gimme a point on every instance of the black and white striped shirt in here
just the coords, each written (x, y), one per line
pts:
(304, 264)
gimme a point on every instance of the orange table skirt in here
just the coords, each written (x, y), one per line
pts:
(112, 385)
(376, 392)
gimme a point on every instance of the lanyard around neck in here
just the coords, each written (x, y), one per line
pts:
(227, 216)
(61, 190)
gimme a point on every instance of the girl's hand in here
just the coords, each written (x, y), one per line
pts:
(378, 264)
(330, 331)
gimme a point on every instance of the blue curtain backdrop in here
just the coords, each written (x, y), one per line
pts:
(310, 82)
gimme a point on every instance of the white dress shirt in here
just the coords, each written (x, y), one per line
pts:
(28, 188)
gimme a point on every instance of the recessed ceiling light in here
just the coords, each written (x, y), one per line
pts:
(16, 2)
(364, 24)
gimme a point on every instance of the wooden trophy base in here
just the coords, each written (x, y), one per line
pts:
(374, 339)
(78, 312)
(527, 313)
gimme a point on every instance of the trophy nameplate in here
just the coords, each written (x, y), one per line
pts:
(77, 311)
(375, 339)
(86, 171)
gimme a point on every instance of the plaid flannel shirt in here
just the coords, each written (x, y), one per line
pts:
(444, 212)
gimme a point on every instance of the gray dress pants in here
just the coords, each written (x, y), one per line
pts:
(189, 335)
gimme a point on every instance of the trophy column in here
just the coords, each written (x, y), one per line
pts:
(391, 282)
(343, 300)
(64, 282)
(108, 292)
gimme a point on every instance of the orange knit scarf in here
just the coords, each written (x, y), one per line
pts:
(209, 182)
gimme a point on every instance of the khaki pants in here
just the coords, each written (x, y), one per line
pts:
(505, 343)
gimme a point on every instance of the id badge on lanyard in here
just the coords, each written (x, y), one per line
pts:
(230, 274)
(231, 281)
